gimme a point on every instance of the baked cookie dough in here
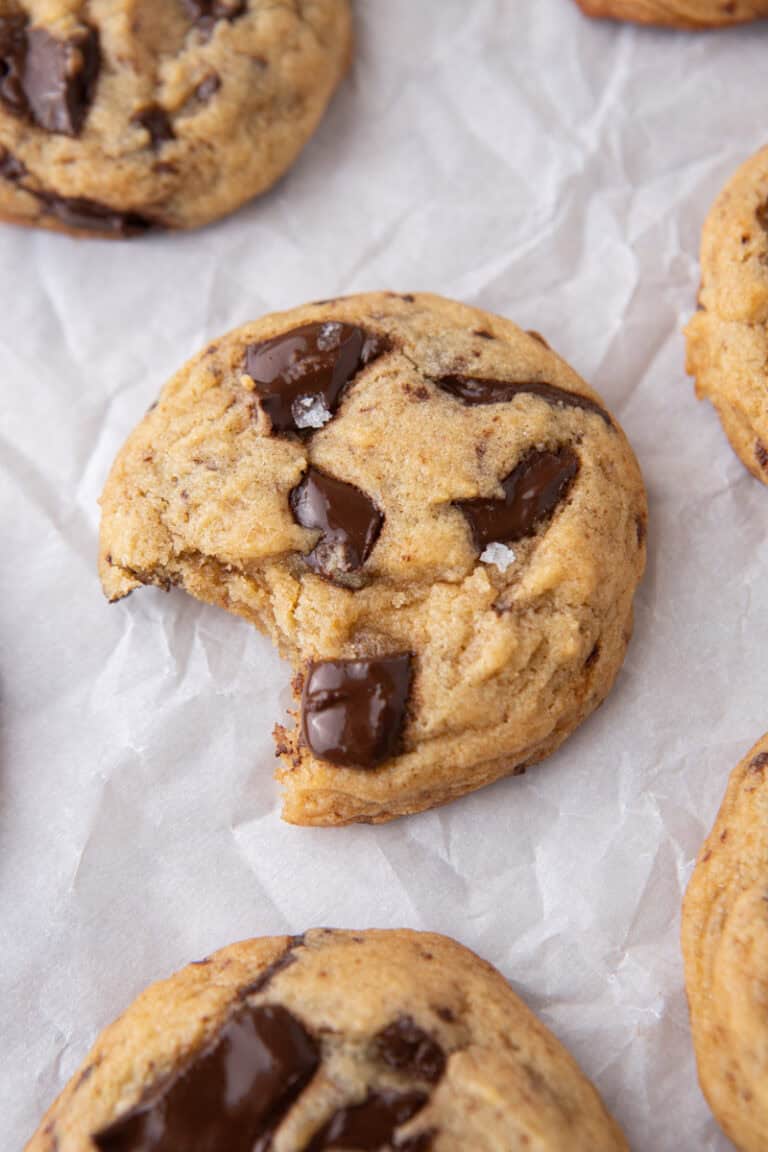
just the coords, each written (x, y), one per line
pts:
(371, 1040)
(725, 945)
(119, 116)
(678, 13)
(728, 336)
(433, 517)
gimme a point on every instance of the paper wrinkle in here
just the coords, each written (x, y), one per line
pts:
(535, 164)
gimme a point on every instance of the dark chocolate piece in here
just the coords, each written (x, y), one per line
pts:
(301, 375)
(370, 1125)
(472, 390)
(409, 1049)
(60, 78)
(231, 1096)
(11, 168)
(760, 761)
(157, 123)
(532, 491)
(13, 49)
(285, 960)
(349, 521)
(353, 711)
(208, 87)
(207, 12)
(79, 213)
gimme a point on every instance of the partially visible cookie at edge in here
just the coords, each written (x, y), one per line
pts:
(435, 519)
(725, 946)
(388, 1040)
(689, 14)
(727, 338)
(126, 116)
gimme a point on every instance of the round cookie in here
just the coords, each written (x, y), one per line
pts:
(429, 512)
(678, 13)
(727, 337)
(725, 946)
(392, 1040)
(119, 116)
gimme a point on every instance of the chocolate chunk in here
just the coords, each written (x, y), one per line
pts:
(209, 11)
(13, 49)
(60, 78)
(349, 521)
(354, 710)
(532, 491)
(409, 1049)
(472, 390)
(10, 167)
(267, 976)
(157, 123)
(760, 761)
(370, 1125)
(208, 87)
(230, 1096)
(761, 454)
(78, 213)
(301, 375)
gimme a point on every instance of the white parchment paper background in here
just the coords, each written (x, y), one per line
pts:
(511, 154)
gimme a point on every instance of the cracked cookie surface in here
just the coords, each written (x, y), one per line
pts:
(361, 1040)
(727, 338)
(725, 945)
(431, 514)
(678, 13)
(121, 116)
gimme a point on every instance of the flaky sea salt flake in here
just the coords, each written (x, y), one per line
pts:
(310, 412)
(498, 554)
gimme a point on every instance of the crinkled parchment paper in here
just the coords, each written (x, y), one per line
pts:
(514, 155)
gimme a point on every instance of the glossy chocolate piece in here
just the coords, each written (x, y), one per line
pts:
(301, 375)
(353, 711)
(13, 50)
(370, 1125)
(230, 1097)
(349, 521)
(157, 123)
(473, 390)
(532, 492)
(407, 1048)
(60, 78)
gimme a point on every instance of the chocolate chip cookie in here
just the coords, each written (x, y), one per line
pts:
(678, 13)
(119, 116)
(725, 945)
(436, 520)
(372, 1040)
(727, 337)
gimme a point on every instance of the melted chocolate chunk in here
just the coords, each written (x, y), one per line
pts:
(157, 123)
(354, 710)
(207, 12)
(760, 761)
(78, 213)
(231, 1096)
(532, 491)
(370, 1125)
(60, 78)
(349, 521)
(471, 390)
(301, 375)
(10, 167)
(13, 49)
(406, 1047)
